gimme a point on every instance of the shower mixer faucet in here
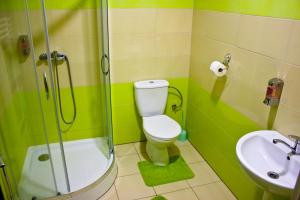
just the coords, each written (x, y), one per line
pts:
(59, 58)
(54, 55)
(295, 148)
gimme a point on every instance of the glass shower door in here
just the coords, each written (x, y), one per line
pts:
(105, 72)
(24, 145)
(51, 152)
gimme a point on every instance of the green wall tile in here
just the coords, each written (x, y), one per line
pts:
(126, 121)
(273, 8)
(151, 3)
(214, 129)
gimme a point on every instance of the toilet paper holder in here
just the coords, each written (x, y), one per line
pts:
(227, 60)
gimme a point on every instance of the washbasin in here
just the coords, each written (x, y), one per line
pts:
(268, 164)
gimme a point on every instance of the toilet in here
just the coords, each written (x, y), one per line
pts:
(160, 130)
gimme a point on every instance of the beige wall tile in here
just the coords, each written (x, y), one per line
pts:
(198, 26)
(265, 35)
(173, 67)
(287, 121)
(149, 43)
(258, 56)
(250, 32)
(139, 20)
(132, 46)
(204, 52)
(65, 23)
(293, 52)
(275, 36)
(176, 44)
(219, 26)
(290, 93)
(174, 20)
(130, 70)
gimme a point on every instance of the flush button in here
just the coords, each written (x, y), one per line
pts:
(151, 81)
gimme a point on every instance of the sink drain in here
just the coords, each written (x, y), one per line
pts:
(273, 175)
(43, 157)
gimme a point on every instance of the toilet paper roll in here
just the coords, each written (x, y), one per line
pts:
(218, 68)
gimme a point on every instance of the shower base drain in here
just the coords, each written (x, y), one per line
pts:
(273, 175)
(43, 157)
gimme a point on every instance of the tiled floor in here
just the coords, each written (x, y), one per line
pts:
(129, 184)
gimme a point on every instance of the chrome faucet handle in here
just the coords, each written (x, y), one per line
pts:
(295, 138)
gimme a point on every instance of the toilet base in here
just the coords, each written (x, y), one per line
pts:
(158, 154)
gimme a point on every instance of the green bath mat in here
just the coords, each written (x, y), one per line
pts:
(159, 197)
(155, 175)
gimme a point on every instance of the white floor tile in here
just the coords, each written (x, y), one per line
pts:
(190, 154)
(186, 194)
(213, 191)
(128, 165)
(140, 147)
(111, 194)
(203, 174)
(170, 187)
(125, 149)
(132, 187)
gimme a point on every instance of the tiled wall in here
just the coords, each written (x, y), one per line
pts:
(146, 43)
(261, 48)
(221, 110)
(17, 78)
(273, 8)
(74, 32)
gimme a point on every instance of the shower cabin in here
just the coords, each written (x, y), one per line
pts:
(55, 113)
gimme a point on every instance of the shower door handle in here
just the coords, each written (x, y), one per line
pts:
(46, 85)
(6, 183)
(104, 70)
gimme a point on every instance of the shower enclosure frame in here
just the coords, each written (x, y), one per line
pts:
(103, 183)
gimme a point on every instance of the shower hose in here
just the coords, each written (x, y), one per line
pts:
(68, 122)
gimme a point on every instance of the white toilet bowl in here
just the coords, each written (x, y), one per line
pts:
(161, 131)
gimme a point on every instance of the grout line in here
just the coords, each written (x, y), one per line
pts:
(145, 197)
(195, 193)
(232, 45)
(126, 155)
(218, 181)
(136, 173)
(179, 191)
(195, 162)
(116, 191)
(113, 186)
(185, 180)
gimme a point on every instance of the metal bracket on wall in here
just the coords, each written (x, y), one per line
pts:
(227, 60)
(6, 183)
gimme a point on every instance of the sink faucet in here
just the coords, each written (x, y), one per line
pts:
(295, 149)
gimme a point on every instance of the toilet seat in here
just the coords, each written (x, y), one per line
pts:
(161, 127)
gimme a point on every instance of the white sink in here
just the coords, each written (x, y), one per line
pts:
(259, 155)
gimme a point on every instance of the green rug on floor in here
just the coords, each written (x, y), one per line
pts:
(156, 175)
(159, 197)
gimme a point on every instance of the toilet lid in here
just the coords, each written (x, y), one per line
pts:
(161, 127)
